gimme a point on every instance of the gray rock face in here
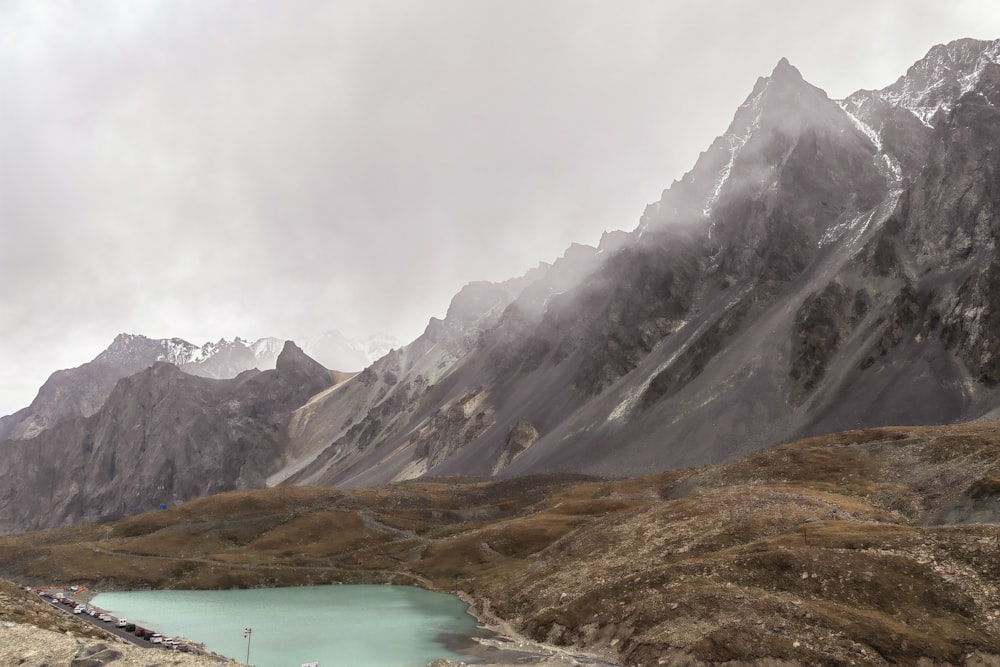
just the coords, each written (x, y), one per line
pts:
(521, 436)
(824, 265)
(162, 436)
(77, 392)
(81, 391)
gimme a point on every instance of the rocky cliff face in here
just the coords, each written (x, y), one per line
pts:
(824, 265)
(161, 436)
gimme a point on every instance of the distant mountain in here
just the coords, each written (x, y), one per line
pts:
(335, 350)
(221, 359)
(826, 264)
(81, 391)
(161, 436)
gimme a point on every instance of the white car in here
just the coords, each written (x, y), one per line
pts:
(121, 623)
(156, 639)
(77, 610)
(105, 618)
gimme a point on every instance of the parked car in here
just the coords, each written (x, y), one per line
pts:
(130, 627)
(157, 638)
(77, 610)
(139, 631)
(121, 623)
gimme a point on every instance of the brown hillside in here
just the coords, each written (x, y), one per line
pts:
(871, 547)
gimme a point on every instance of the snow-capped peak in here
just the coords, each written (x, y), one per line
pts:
(746, 122)
(222, 358)
(948, 71)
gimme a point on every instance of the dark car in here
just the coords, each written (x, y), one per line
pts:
(147, 635)
(130, 627)
(139, 631)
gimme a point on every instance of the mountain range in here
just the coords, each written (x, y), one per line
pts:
(825, 265)
(81, 391)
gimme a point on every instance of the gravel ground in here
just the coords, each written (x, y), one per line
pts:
(32, 646)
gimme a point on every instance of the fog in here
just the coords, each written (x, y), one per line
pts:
(247, 168)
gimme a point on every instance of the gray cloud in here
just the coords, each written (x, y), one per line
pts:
(253, 168)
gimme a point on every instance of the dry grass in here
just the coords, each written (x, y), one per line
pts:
(816, 552)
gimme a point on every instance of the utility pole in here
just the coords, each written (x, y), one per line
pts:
(246, 635)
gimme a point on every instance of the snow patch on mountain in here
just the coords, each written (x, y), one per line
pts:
(219, 359)
(749, 113)
(937, 81)
(887, 163)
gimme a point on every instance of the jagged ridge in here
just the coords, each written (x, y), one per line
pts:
(815, 270)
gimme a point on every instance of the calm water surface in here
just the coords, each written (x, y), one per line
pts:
(337, 626)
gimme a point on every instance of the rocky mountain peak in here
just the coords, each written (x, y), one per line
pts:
(785, 70)
(133, 350)
(934, 83)
(293, 359)
(751, 154)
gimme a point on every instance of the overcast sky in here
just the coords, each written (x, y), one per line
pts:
(282, 168)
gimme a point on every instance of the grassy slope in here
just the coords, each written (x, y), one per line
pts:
(820, 552)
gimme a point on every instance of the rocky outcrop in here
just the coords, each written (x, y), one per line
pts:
(970, 326)
(824, 321)
(521, 436)
(453, 427)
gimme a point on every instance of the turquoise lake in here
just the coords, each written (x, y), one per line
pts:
(336, 626)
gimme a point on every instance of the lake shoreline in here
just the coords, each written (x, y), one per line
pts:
(505, 646)
(497, 644)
